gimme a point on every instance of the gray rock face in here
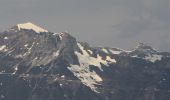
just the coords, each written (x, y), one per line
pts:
(39, 65)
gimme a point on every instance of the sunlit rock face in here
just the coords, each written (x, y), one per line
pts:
(36, 64)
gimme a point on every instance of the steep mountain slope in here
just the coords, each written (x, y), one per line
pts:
(36, 64)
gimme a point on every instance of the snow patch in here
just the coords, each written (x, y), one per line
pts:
(26, 45)
(105, 50)
(15, 69)
(63, 76)
(59, 34)
(5, 38)
(82, 49)
(115, 52)
(153, 58)
(110, 59)
(55, 33)
(36, 58)
(85, 59)
(31, 26)
(87, 77)
(150, 57)
(82, 72)
(61, 85)
(29, 50)
(90, 52)
(56, 54)
(19, 56)
(2, 47)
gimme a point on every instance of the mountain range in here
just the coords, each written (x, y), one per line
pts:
(36, 64)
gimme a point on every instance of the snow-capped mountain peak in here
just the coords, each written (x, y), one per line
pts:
(49, 66)
(145, 48)
(30, 26)
(146, 52)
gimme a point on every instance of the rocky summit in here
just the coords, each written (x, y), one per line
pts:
(36, 64)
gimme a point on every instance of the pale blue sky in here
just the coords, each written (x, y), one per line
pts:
(114, 23)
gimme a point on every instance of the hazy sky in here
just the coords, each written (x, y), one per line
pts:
(114, 23)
